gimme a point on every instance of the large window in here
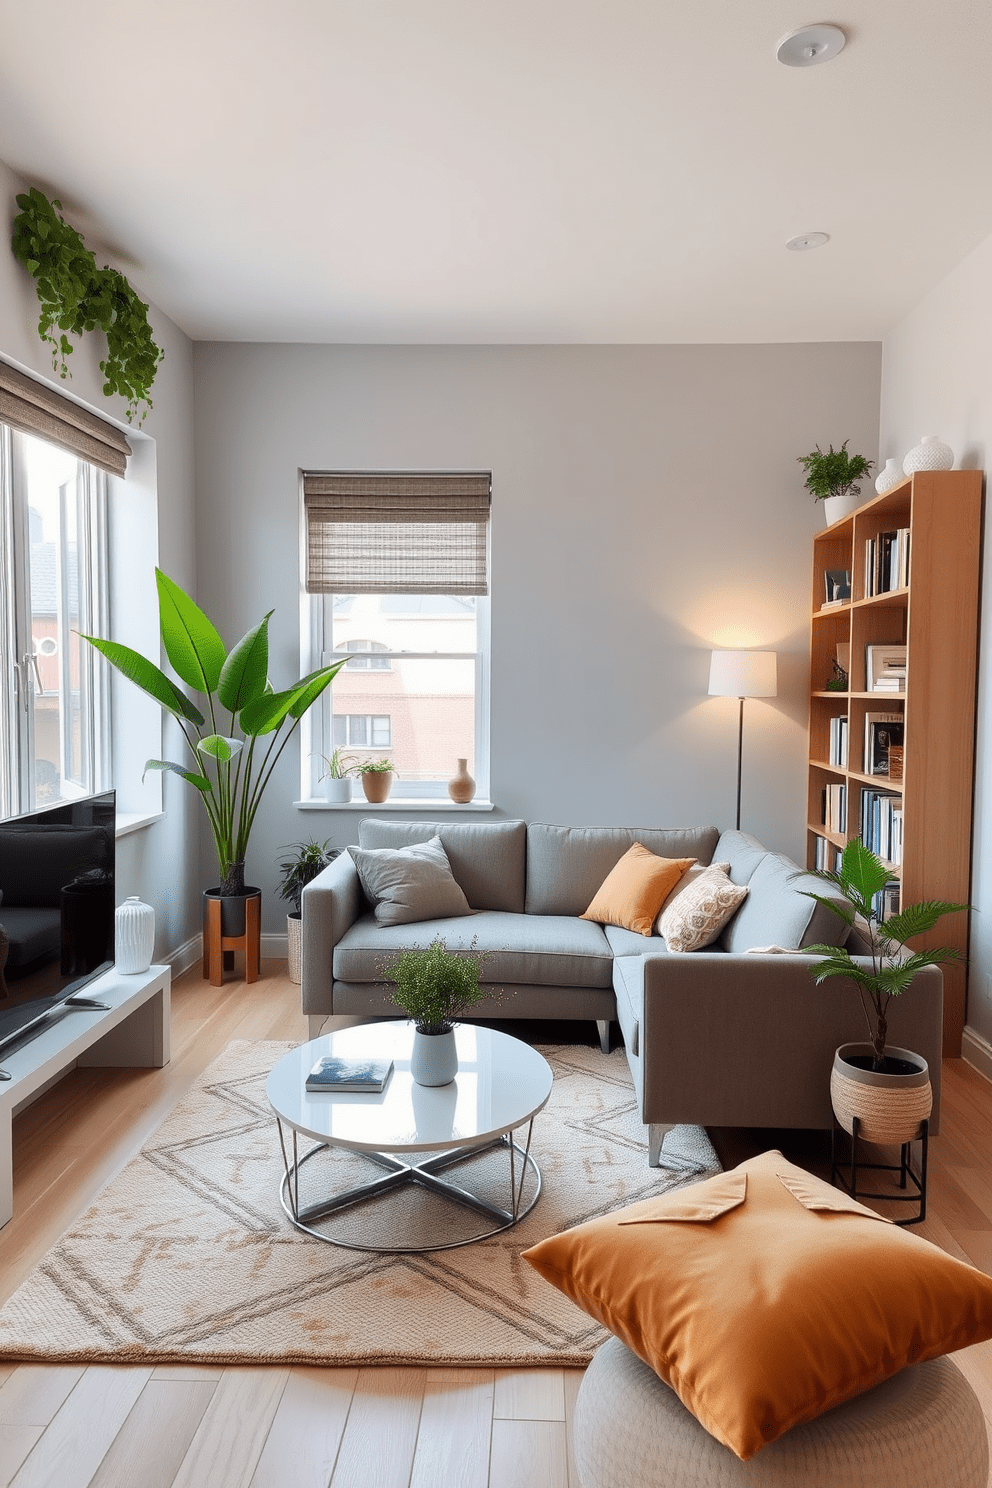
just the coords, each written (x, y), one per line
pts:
(397, 573)
(53, 580)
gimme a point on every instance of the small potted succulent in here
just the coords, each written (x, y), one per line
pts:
(434, 987)
(377, 777)
(336, 776)
(308, 859)
(888, 1089)
(834, 478)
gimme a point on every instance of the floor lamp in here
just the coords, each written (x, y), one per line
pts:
(742, 674)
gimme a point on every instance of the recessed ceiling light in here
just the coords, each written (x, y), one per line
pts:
(807, 240)
(810, 45)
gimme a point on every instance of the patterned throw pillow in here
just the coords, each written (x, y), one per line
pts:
(697, 914)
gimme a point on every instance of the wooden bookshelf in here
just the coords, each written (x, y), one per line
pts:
(936, 617)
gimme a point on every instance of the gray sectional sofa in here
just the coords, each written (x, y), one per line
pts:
(721, 1036)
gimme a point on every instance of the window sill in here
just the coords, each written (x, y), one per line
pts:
(133, 821)
(411, 803)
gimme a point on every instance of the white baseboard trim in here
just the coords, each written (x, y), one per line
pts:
(274, 948)
(977, 1051)
(185, 956)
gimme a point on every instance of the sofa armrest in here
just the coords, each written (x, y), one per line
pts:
(331, 903)
(749, 1040)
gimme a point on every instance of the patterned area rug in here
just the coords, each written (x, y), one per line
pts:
(187, 1256)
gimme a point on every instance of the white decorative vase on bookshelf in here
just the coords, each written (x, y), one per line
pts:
(134, 925)
(890, 476)
(930, 454)
(835, 508)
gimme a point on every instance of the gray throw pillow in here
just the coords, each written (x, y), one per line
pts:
(409, 883)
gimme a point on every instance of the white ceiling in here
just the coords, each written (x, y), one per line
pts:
(514, 171)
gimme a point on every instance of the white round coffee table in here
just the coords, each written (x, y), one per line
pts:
(500, 1086)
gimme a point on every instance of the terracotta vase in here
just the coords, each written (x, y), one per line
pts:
(461, 787)
(376, 784)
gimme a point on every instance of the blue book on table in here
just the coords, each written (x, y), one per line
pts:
(331, 1073)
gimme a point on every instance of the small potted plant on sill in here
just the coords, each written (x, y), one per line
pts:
(309, 858)
(886, 1088)
(377, 778)
(435, 987)
(336, 776)
(834, 477)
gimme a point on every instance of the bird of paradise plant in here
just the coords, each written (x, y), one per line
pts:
(230, 770)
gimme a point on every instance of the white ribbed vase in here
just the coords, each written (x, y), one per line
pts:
(434, 1060)
(930, 454)
(134, 925)
(889, 1107)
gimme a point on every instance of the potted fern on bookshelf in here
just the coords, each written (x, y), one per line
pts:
(886, 1088)
(834, 477)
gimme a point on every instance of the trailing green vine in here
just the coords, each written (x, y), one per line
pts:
(76, 296)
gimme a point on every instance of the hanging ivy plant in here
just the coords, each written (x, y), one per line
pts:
(76, 296)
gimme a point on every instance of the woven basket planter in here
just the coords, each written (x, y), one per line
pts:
(889, 1107)
(294, 936)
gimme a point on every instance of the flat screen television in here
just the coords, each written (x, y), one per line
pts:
(57, 902)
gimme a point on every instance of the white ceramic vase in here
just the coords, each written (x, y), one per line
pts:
(434, 1060)
(835, 508)
(134, 925)
(930, 454)
(889, 477)
(337, 791)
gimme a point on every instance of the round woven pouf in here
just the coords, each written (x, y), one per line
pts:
(920, 1429)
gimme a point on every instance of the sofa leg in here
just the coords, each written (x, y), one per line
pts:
(657, 1132)
(603, 1024)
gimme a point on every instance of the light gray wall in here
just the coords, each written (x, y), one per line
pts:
(647, 506)
(151, 862)
(937, 379)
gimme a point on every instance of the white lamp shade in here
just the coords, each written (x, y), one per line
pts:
(743, 674)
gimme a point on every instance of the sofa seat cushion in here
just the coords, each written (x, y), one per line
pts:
(628, 985)
(777, 912)
(540, 950)
(487, 858)
(630, 943)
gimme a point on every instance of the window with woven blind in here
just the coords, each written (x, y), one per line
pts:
(397, 570)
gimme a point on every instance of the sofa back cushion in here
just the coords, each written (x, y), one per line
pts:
(777, 912)
(487, 858)
(742, 851)
(567, 865)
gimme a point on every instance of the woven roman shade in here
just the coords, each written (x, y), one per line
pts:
(397, 534)
(34, 408)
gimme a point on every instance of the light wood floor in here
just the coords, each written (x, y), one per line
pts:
(172, 1427)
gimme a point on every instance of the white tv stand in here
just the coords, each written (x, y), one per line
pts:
(134, 1031)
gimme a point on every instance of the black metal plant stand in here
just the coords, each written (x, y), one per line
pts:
(845, 1174)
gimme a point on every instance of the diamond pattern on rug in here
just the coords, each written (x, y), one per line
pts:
(187, 1255)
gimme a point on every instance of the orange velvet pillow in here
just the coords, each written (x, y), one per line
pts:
(764, 1297)
(632, 893)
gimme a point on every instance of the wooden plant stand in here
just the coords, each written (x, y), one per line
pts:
(215, 945)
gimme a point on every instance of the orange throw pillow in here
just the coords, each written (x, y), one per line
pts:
(632, 893)
(765, 1297)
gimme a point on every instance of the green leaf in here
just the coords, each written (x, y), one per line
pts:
(244, 674)
(200, 781)
(917, 919)
(313, 685)
(191, 641)
(266, 713)
(144, 674)
(219, 747)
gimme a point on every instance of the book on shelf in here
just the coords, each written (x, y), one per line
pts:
(881, 824)
(882, 731)
(885, 667)
(887, 562)
(827, 857)
(835, 808)
(838, 742)
(331, 1073)
(886, 901)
